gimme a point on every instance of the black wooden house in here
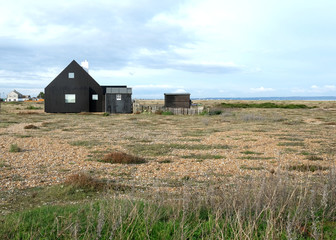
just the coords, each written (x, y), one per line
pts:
(74, 91)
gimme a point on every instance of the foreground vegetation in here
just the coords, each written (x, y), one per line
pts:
(268, 208)
(264, 105)
(247, 173)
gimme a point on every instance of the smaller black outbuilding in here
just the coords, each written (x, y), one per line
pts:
(177, 100)
(74, 91)
(118, 99)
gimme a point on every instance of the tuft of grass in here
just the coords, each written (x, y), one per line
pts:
(30, 126)
(106, 114)
(3, 164)
(122, 158)
(14, 148)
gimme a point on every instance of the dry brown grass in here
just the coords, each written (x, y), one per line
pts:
(122, 158)
(84, 181)
(30, 126)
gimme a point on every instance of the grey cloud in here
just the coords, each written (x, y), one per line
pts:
(105, 33)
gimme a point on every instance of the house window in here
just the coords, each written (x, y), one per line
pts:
(71, 75)
(118, 97)
(95, 97)
(70, 98)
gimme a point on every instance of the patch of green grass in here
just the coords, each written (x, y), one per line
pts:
(307, 168)
(290, 150)
(84, 143)
(251, 168)
(14, 148)
(294, 144)
(5, 124)
(3, 164)
(256, 158)
(251, 152)
(314, 157)
(23, 136)
(167, 113)
(195, 133)
(164, 149)
(203, 156)
(13, 103)
(31, 107)
(291, 139)
(263, 105)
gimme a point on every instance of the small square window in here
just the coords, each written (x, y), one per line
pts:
(70, 98)
(95, 97)
(118, 97)
(71, 75)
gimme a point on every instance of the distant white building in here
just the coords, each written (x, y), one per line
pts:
(15, 96)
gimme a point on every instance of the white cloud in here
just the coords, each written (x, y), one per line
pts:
(262, 89)
(322, 89)
(180, 91)
(330, 87)
(152, 86)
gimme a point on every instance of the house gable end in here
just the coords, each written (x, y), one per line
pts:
(80, 85)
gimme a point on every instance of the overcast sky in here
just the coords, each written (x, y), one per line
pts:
(209, 48)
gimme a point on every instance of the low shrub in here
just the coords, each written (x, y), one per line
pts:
(123, 158)
(30, 126)
(106, 114)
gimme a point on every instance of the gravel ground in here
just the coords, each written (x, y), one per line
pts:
(260, 143)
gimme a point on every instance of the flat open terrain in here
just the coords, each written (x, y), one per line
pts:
(237, 143)
(201, 151)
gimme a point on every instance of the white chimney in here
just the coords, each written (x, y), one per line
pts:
(85, 65)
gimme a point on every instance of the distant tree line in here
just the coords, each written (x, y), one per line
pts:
(40, 95)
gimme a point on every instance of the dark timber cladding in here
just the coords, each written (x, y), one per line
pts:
(73, 90)
(118, 99)
(177, 100)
